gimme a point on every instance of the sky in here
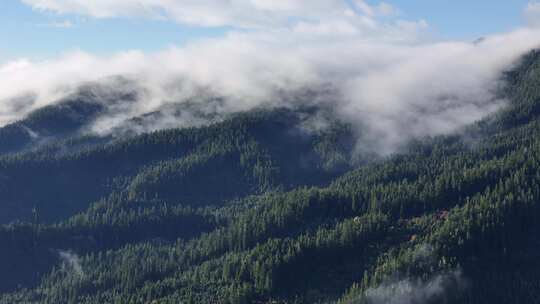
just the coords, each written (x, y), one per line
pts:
(32, 32)
(38, 34)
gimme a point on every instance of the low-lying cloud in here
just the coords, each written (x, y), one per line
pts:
(380, 75)
(71, 263)
(409, 291)
(437, 287)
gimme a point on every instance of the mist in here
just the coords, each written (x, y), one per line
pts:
(389, 79)
(434, 287)
(71, 263)
(409, 291)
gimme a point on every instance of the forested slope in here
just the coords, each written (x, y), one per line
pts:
(248, 154)
(256, 209)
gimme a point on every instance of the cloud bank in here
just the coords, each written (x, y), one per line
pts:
(377, 71)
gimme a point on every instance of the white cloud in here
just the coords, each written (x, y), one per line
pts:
(59, 24)
(385, 9)
(385, 79)
(382, 9)
(532, 14)
(237, 13)
(71, 263)
(338, 27)
(409, 291)
(242, 13)
(63, 24)
(391, 91)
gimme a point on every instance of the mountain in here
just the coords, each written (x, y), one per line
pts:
(66, 119)
(258, 207)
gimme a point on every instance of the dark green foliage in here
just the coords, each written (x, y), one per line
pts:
(248, 154)
(254, 210)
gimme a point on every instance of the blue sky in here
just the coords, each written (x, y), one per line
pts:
(31, 33)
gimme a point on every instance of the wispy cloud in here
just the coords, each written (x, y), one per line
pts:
(58, 24)
(382, 9)
(241, 13)
(71, 263)
(409, 291)
(532, 13)
(384, 77)
(432, 288)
